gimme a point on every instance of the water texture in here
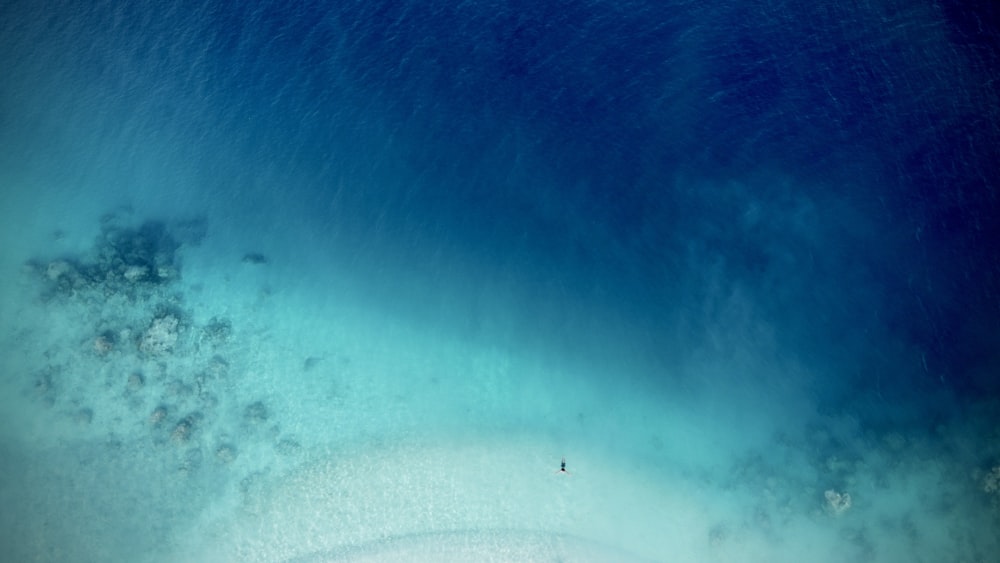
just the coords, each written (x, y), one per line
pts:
(348, 281)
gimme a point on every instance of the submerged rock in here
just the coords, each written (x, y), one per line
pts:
(135, 382)
(185, 428)
(225, 454)
(218, 366)
(217, 331)
(59, 268)
(191, 462)
(44, 387)
(83, 417)
(255, 258)
(104, 343)
(137, 255)
(133, 274)
(158, 415)
(125, 261)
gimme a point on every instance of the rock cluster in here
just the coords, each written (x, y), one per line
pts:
(125, 261)
(144, 353)
(837, 503)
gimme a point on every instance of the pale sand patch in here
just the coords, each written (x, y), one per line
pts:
(459, 501)
(477, 545)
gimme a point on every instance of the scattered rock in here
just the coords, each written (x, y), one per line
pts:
(132, 267)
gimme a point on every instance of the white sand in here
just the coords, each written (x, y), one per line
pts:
(441, 496)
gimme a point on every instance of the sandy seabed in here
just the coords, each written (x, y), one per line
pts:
(163, 403)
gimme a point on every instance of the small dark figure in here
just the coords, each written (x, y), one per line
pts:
(562, 467)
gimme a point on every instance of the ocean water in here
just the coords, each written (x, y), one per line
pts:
(349, 281)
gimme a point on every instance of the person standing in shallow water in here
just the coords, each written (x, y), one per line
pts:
(562, 467)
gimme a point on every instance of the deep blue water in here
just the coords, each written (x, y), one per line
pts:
(655, 168)
(573, 139)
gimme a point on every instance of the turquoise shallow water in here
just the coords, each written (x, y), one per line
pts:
(307, 282)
